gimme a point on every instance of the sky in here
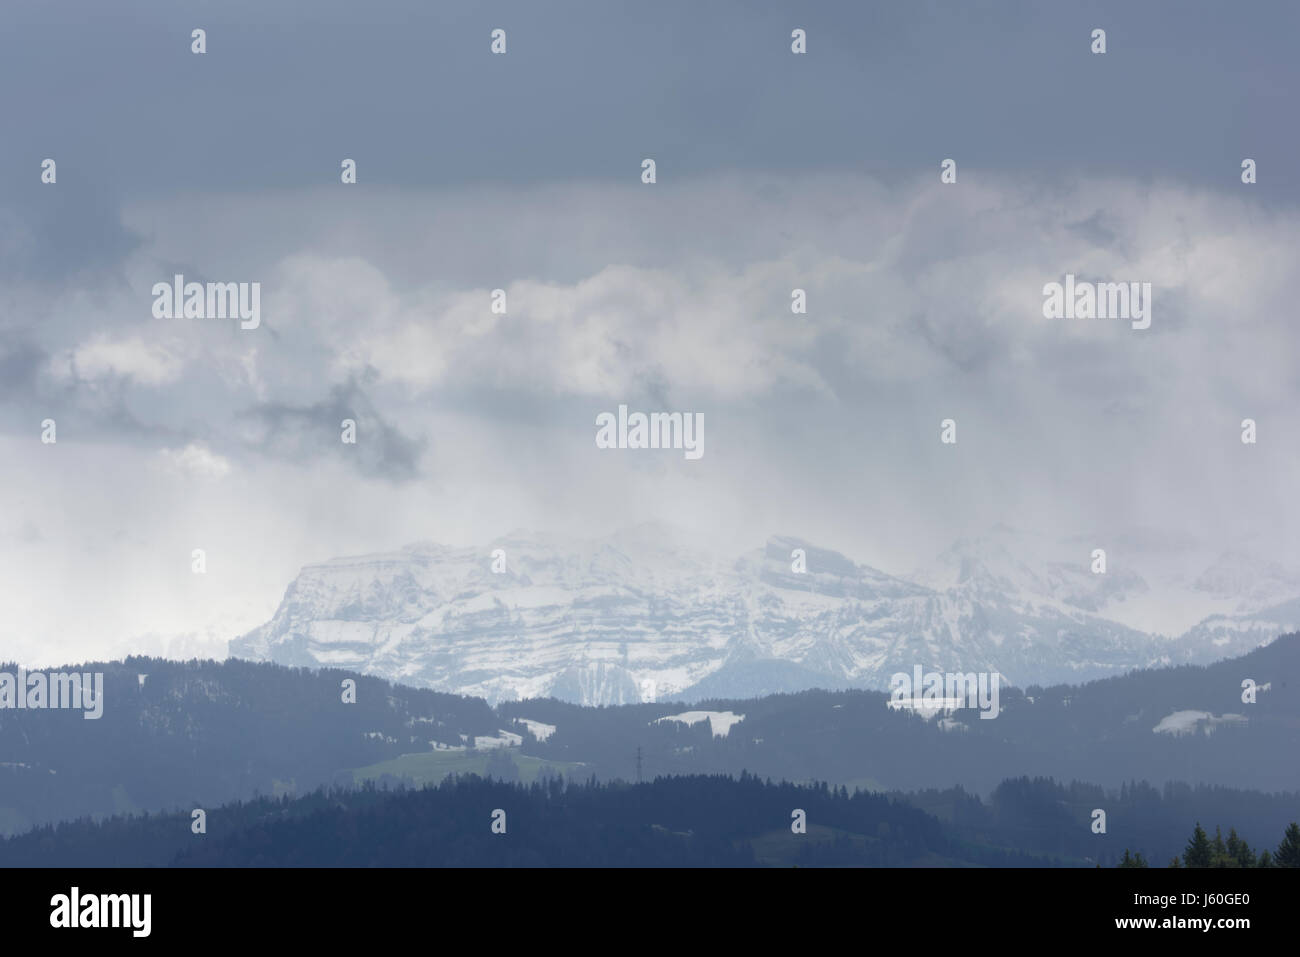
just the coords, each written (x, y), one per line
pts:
(522, 172)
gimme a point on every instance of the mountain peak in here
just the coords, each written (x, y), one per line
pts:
(653, 611)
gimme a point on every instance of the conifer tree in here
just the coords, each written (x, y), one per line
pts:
(1239, 850)
(1133, 860)
(1219, 856)
(1199, 852)
(1288, 852)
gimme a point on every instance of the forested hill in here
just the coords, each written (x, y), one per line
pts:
(698, 820)
(205, 732)
(191, 734)
(673, 822)
(1186, 724)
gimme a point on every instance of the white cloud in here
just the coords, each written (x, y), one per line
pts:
(924, 302)
(196, 460)
(148, 363)
(691, 293)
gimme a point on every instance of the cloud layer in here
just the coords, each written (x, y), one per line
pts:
(521, 173)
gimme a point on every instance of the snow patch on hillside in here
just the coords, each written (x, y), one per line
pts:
(720, 721)
(503, 739)
(1188, 722)
(538, 729)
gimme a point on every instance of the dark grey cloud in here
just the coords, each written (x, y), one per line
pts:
(302, 433)
(1094, 229)
(409, 89)
(20, 365)
(521, 172)
(58, 232)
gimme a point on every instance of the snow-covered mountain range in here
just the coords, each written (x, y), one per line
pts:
(651, 613)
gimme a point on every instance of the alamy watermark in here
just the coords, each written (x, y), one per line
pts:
(179, 299)
(656, 430)
(933, 692)
(37, 690)
(76, 909)
(1100, 300)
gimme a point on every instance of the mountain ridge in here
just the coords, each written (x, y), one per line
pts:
(648, 613)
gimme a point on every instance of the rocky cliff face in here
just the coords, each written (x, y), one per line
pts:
(646, 614)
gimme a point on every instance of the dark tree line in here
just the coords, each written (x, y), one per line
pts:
(1201, 851)
(698, 821)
